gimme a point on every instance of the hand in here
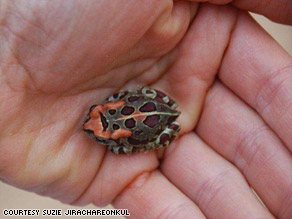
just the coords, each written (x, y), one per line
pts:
(59, 57)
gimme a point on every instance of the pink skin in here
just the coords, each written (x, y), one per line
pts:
(57, 58)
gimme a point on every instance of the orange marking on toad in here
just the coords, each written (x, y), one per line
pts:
(120, 133)
(139, 116)
(95, 112)
(95, 124)
(114, 105)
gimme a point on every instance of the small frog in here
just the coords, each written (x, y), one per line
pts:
(134, 121)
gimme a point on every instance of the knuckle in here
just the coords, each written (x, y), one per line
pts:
(211, 188)
(249, 146)
(174, 210)
(274, 87)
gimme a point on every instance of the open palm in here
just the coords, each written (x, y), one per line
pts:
(60, 57)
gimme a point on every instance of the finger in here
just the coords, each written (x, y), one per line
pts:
(154, 194)
(198, 59)
(114, 175)
(212, 183)
(162, 36)
(258, 70)
(279, 11)
(149, 58)
(153, 72)
(236, 132)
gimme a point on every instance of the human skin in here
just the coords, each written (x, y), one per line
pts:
(232, 82)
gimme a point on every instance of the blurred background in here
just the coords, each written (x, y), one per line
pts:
(13, 198)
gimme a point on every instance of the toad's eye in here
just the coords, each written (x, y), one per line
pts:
(89, 132)
(101, 140)
(103, 121)
(92, 107)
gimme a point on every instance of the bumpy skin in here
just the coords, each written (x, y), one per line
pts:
(134, 121)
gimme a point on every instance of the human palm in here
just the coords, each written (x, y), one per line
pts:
(60, 57)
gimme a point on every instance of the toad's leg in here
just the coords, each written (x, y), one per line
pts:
(120, 149)
(167, 135)
(117, 96)
(163, 140)
(158, 96)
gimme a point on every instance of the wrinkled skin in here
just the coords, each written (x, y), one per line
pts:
(57, 58)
